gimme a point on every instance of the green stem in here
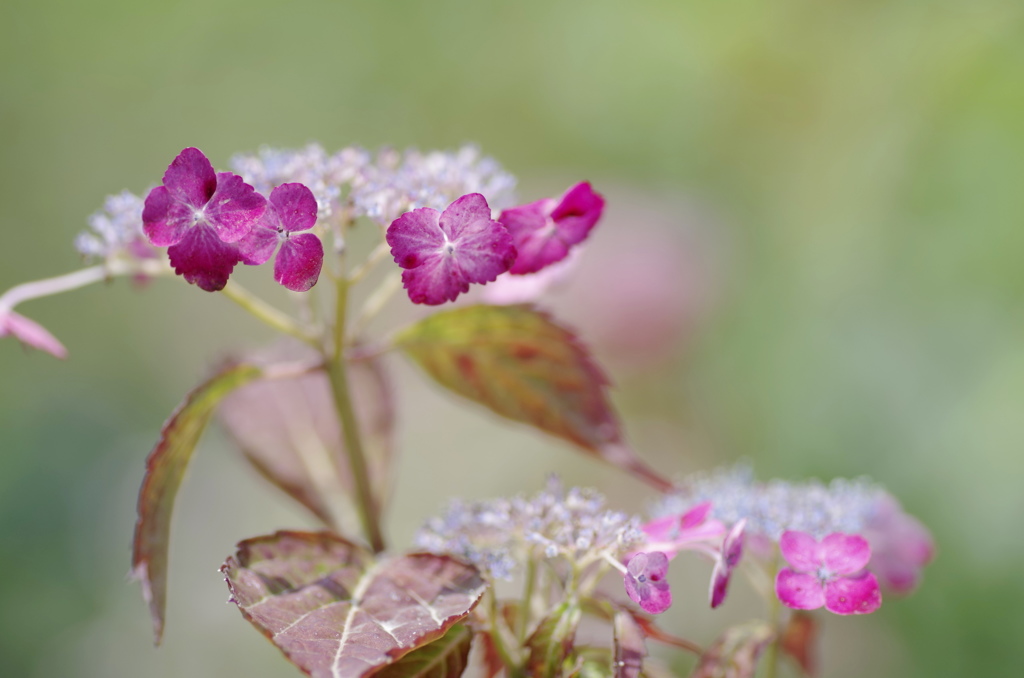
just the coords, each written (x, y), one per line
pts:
(771, 658)
(263, 311)
(77, 279)
(527, 605)
(337, 371)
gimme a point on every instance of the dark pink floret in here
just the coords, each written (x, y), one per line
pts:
(443, 252)
(545, 230)
(292, 208)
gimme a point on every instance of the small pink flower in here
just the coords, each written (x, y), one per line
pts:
(728, 559)
(900, 546)
(443, 252)
(829, 573)
(645, 581)
(30, 333)
(291, 208)
(198, 214)
(689, 531)
(543, 231)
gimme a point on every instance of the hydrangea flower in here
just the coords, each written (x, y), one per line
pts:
(291, 208)
(543, 231)
(443, 252)
(828, 573)
(900, 546)
(115, 230)
(645, 581)
(30, 333)
(198, 215)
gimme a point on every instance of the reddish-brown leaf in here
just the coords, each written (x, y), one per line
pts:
(165, 469)
(288, 429)
(520, 364)
(552, 641)
(444, 658)
(336, 614)
(630, 648)
(736, 653)
(799, 639)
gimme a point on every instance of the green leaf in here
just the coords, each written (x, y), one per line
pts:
(552, 641)
(517, 362)
(443, 658)
(165, 468)
(335, 613)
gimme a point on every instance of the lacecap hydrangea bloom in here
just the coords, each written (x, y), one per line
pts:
(291, 208)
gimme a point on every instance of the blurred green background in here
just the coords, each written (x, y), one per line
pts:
(846, 178)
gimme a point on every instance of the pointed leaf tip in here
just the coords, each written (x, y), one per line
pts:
(165, 469)
(520, 364)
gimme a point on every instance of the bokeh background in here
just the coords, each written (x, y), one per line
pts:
(832, 194)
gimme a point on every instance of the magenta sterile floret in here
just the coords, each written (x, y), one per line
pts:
(199, 215)
(545, 230)
(829, 573)
(443, 252)
(645, 581)
(291, 208)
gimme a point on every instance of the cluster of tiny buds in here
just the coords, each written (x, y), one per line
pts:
(498, 534)
(774, 507)
(115, 229)
(380, 187)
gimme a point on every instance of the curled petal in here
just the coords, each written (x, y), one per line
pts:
(853, 595)
(203, 258)
(801, 550)
(580, 209)
(845, 554)
(298, 264)
(543, 231)
(798, 590)
(30, 333)
(190, 178)
(234, 208)
(645, 581)
(728, 559)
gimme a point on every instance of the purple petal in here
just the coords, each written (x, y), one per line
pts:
(203, 258)
(798, 590)
(30, 333)
(800, 550)
(258, 246)
(298, 264)
(165, 221)
(728, 559)
(436, 281)
(695, 516)
(234, 208)
(853, 595)
(483, 247)
(645, 581)
(845, 553)
(577, 213)
(190, 178)
(295, 205)
(413, 235)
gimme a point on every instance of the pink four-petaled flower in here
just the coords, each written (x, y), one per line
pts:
(543, 231)
(645, 581)
(828, 573)
(291, 208)
(198, 215)
(443, 252)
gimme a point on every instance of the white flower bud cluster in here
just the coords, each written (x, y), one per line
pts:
(114, 229)
(773, 507)
(495, 535)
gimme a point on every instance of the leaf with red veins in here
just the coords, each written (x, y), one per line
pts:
(30, 333)
(203, 258)
(545, 230)
(336, 614)
(520, 364)
(165, 468)
(443, 252)
(299, 261)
